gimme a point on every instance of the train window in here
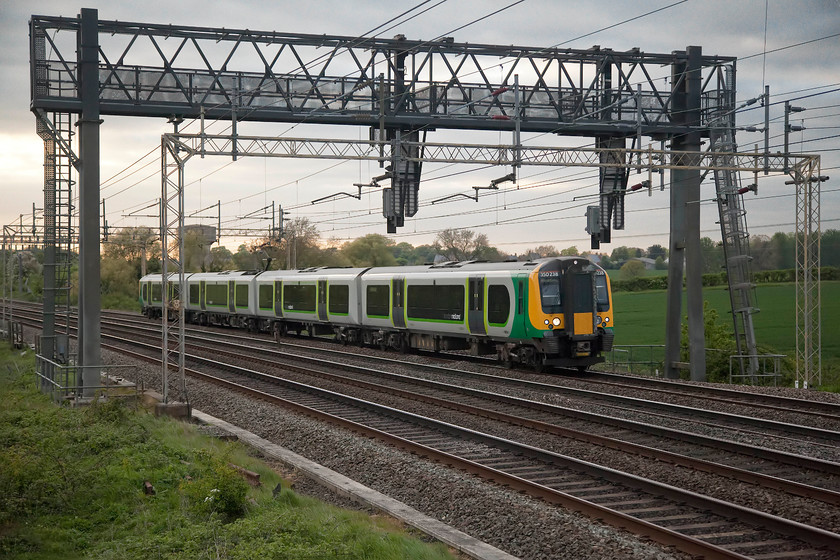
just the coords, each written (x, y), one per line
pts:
(299, 297)
(242, 295)
(436, 303)
(216, 294)
(194, 300)
(550, 291)
(602, 296)
(498, 305)
(265, 292)
(378, 301)
(583, 294)
(339, 299)
(157, 293)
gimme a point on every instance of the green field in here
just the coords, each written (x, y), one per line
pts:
(615, 274)
(640, 317)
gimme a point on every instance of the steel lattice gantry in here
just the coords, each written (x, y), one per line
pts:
(398, 88)
(179, 148)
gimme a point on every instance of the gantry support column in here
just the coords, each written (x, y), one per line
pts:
(808, 181)
(89, 274)
(685, 224)
(172, 262)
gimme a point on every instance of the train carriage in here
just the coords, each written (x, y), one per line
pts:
(317, 300)
(548, 312)
(224, 298)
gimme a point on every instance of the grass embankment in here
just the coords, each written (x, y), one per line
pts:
(72, 486)
(640, 319)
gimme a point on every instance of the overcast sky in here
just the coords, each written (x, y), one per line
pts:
(543, 210)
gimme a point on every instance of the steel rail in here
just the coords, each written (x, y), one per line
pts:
(793, 459)
(816, 537)
(818, 408)
(770, 425)
(806, 407)
(829, 435)
(805, 533)
(759, 479)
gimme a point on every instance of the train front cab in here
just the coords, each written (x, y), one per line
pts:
(565, 320)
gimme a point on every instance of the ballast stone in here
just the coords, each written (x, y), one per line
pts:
(347, 487)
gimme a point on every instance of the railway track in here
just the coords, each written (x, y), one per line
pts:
(695, 523)
(706, 396)
(527, 467)
(746, 423)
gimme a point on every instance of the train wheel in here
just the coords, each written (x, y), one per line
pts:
(539, 363)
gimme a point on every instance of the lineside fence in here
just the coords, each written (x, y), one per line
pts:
(649, 360)
(63, 381)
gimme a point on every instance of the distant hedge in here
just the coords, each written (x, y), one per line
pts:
(719, 279)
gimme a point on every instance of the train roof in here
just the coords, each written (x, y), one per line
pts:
(469, 266)
(451, 266)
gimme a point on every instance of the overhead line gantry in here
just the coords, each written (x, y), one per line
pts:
(402, 90)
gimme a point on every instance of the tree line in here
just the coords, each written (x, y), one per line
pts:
(133, 251)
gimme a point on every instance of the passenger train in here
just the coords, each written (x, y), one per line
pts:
(547, 312)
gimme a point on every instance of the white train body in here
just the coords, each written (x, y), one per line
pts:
(548, 312)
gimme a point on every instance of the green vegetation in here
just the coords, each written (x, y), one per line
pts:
(130, 252)
(640, 317)
(72, 486)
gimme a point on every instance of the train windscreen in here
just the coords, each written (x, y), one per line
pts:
(602, 296)
(551, 294)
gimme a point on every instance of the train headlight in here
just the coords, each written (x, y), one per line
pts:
(606, 320)
(597, 319)
(556, 321)
(546, 321)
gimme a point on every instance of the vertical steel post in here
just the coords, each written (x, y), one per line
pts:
(676, 247)
(3, 270)
(685, 223)
(807, 179)
(164, 271)
(89, 273)
(693, 253)
(766, 130)
(787, 136)
(50, 184)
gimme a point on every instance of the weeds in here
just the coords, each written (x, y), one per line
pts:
(72, 485)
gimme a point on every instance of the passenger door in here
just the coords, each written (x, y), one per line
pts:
(202, 287)
(231, 296)
(475, 305)
(322, 300)
(278, 298)
(399, 302)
